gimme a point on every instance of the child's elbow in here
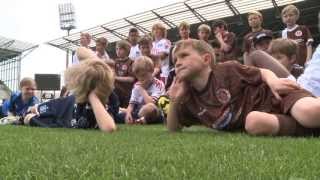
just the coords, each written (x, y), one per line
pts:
(109, 129)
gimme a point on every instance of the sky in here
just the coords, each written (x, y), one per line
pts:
(37, 21)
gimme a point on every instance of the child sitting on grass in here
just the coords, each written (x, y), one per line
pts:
(146, 91)
(124, 78)
(20, 102)
(231, 97)
(90, 83)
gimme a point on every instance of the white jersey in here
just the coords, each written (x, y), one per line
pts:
(162, 46)
(134, 52)
(310, 79)
(155, 90)
(105, 56)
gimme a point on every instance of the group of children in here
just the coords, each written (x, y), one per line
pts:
(192, 82)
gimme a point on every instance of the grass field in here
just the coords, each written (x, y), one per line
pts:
(150, 152)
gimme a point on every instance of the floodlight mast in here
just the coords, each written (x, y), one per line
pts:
(67, 21)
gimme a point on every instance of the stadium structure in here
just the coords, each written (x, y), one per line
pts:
(196, 12)
(11, 53)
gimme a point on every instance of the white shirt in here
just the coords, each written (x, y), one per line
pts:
(162, 46)
(104, 57)
(134, 52)
(155, 90)
(310, 79)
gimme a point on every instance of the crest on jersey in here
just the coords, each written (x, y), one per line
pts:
(223, 96)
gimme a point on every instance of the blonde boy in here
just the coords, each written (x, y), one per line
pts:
(299, 33)
(204, 32)
(146, 91)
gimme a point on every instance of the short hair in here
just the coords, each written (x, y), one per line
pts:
(161, 27)
(145, 40)
(287, 47)
(198, 45)
(204, 27)
(89, 75)
(102, 41)
(290, 8)
(27, 81)
(124, 44)
(133, 30)
(220, 23)
(253, 12)
(86, 35)
(184, 25)
(142, 64)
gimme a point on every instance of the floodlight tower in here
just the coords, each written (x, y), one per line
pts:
(67, 21)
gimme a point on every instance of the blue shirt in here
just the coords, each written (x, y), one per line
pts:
(16, 105)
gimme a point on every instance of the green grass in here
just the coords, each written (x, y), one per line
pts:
(150, 152)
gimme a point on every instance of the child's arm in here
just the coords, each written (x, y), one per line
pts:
(176, 93)
(146, 97)
(128, 79)
(277, 86)
(129, 119)
(309, 52)
(104, 120)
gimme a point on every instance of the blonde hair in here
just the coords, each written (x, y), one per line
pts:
(204, 27)
(287, 47)
(184, 25)
(84, 53)
(290, 8)
(198, 45)
(142, 64)
(27, 82)
(89, 75)
(253, 12)
(161, 27)
(86, 35)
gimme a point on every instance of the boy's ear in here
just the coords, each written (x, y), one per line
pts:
(207, 58)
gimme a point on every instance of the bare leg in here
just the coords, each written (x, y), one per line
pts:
(261, 59)
(261, 123)
(307, 112)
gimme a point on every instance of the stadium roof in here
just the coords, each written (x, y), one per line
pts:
(191, 11)
(10, 48)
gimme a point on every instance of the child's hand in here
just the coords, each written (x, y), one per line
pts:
(177, 91)
(33, 110)
(282, 86)
(129, 119)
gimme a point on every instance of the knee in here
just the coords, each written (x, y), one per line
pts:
(252, 124)
(258, 123)
(308, 114)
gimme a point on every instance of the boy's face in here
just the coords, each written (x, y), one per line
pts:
(28, 91)
(184, 33)
(254, 21)
(284, 60)
(263, 45)
(145, 78)
(290, 18)
(133, 37)
(100, 47)
(189, 63)
(203, 35)
(121, 52)
(145, 49)
(84, 41)
(158, 33)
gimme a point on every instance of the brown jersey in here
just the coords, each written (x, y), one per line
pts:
(248, 39)
(123, 68)
(302, 36)
(233, 90)
(230, 39)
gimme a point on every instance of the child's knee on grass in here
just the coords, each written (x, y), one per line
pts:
(307, 112)
(260, 123)
(149, 112)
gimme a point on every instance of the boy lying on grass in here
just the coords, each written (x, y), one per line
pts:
(231, 97)
(91, 84)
